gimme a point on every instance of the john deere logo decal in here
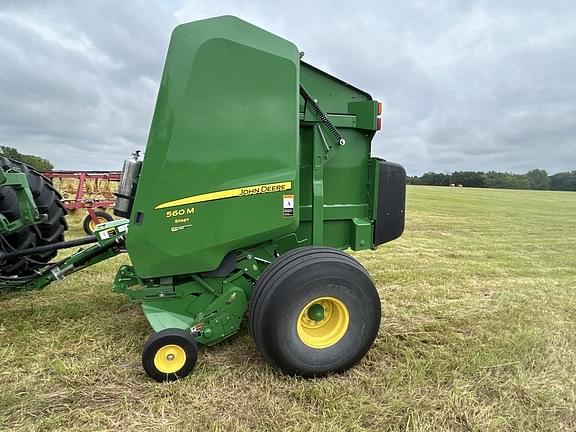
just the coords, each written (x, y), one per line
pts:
(228, 193)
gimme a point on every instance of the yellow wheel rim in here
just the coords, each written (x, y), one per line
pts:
(322, 322)
(170, 359)
(93, 225)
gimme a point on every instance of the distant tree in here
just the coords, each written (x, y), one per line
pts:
(563, 181)
(35, 162)
(495, 180)
(412, 180)
(519, 181)
(468, 178)
(538, 179)
(533, 179)
(504, 180)
(435, 179)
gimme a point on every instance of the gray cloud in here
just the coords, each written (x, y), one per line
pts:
(465, 84)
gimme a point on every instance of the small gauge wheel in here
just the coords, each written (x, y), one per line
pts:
(169, 355)
(89, 225)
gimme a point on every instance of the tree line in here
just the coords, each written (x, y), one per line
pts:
(536, 179)
(35, 162)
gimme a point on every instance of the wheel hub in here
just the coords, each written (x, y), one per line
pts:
(170, 359)
(316, 312)
(323, 322)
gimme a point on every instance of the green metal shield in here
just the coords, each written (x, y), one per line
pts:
(221, 164)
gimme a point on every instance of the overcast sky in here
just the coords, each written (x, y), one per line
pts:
(476, 85)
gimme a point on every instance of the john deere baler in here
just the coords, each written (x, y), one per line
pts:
(257, 175)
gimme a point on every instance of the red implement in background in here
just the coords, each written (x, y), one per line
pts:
(90, 190)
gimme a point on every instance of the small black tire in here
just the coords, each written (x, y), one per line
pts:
(283, 299)
(102, 217)
(169, 355)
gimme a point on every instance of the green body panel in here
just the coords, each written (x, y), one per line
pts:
(231, 116)
(226, 118)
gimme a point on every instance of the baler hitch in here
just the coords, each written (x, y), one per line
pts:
(109, 239)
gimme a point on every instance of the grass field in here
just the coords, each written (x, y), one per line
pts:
(478, 334)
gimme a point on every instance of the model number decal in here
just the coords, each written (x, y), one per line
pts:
(180, 212)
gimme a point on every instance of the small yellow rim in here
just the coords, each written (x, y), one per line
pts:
(327, 331)
(93, 224)
(170, 359)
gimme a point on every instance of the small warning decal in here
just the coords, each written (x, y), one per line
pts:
(288, 207)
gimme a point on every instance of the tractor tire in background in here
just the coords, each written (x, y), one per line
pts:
(314, 311)
(48, 201)
(89, 224)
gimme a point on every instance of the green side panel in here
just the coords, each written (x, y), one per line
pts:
(348, 178)
(333, 94)
(225, 124)
(366, 114)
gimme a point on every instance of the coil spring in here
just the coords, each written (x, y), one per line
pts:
(321, 116)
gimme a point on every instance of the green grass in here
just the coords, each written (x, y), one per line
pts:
(478, 334)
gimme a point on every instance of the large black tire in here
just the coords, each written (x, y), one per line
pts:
(102, 217)
(301, 282)
(48, 201)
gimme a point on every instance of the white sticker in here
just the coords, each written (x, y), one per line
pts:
(288, 205)
(179, 227)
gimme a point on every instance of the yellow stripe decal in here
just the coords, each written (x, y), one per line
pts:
(228, 193)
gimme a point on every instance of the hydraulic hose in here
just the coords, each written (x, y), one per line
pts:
(49, 247)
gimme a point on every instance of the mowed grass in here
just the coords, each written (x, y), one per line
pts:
(478, 334)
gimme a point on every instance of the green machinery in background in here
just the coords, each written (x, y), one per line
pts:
(256, 175)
